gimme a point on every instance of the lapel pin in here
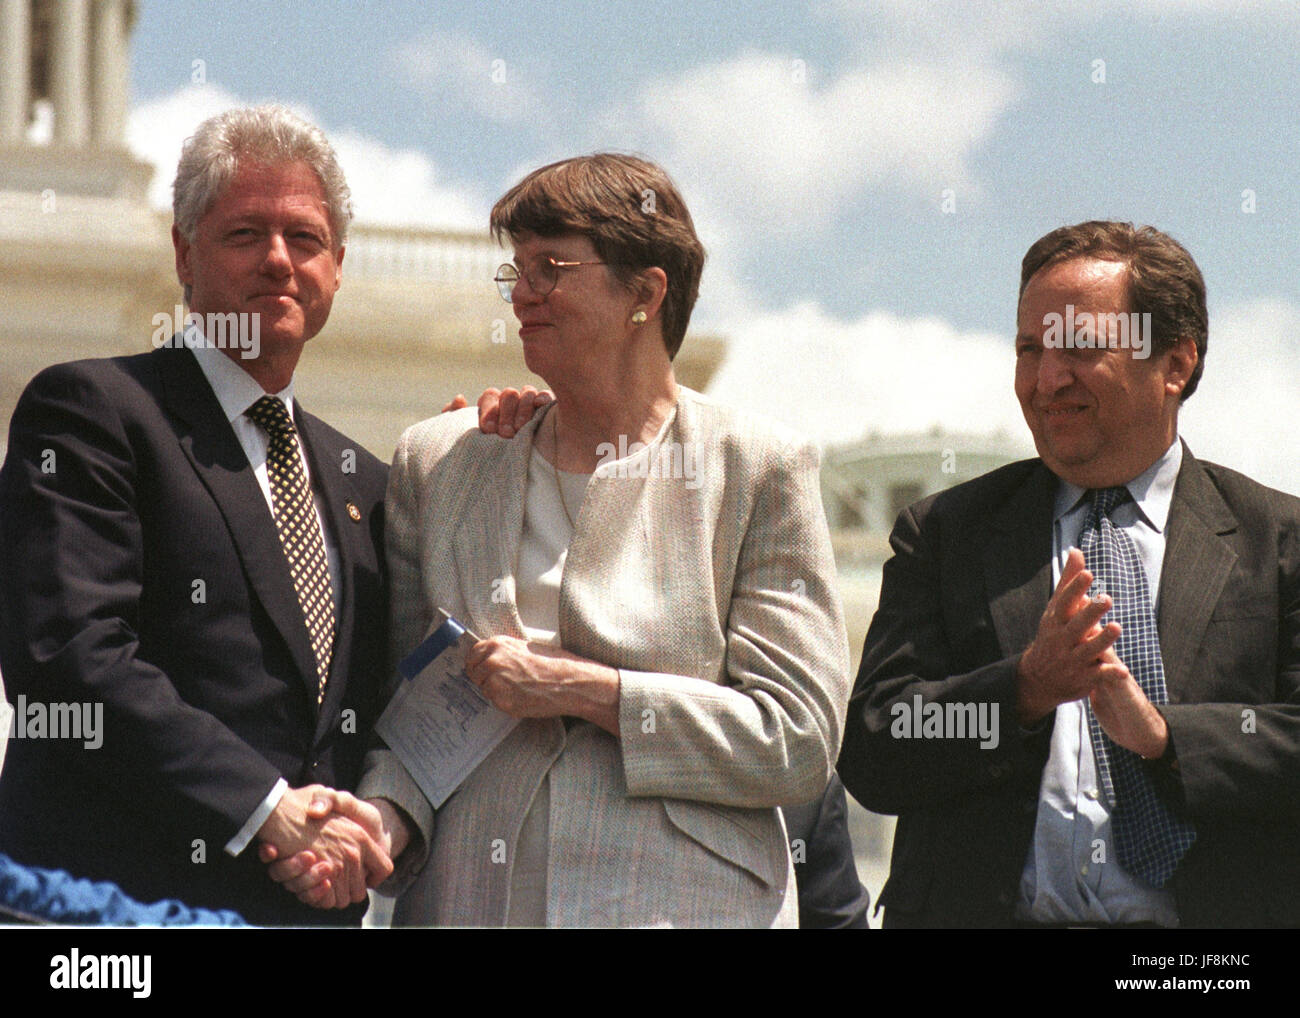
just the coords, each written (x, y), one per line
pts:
(354, 512)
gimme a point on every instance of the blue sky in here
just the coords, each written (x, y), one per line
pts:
(816, 144)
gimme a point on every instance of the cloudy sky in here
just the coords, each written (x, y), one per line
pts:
(865, 175)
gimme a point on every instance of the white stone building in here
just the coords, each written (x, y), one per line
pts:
(86, 265)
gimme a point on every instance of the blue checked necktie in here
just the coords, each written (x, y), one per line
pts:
(299, 527)
(1150, 839)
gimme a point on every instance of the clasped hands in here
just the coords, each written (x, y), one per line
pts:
(327, 847)
(1073, 656)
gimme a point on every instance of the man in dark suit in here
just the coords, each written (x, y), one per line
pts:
(200, 564)
(1126, 616)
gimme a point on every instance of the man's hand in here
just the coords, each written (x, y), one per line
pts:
(504, 411)
(1064, 662)
(306, 876)
(342, 853)
(1125, 713)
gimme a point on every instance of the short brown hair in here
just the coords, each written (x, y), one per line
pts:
(631, 212)
(1163, 280)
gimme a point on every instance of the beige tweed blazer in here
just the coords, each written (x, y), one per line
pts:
(713, 594)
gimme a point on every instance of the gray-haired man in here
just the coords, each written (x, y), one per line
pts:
(190, 549)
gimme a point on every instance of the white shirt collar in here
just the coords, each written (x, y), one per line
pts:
(1152, 490)
(236, 390)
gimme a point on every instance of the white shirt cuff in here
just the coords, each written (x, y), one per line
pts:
(254, 823)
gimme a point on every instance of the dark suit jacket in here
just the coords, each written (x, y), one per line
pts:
(831, 897)
(961, 600)
(143, 571)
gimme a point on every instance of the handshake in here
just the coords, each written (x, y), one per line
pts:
(327, 847)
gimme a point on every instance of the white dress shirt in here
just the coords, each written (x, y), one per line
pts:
(1064, 879)
(237, 391)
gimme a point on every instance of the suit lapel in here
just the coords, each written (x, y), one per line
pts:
(1196, 567)
(488, 534)
(1018, 560)
(220, 463)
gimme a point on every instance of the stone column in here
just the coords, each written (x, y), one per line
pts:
(110, 73)
(69, 66)
(15, 69)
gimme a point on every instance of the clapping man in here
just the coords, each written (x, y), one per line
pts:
(1129, 613)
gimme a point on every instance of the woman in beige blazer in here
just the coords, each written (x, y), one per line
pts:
(653, 578)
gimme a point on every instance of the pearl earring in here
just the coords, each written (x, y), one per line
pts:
(638, 318)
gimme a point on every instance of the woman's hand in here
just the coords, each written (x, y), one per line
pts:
(537, 680)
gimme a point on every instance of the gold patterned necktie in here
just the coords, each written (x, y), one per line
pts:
(300, 532)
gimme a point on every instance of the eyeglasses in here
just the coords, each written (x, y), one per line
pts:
(542, 277)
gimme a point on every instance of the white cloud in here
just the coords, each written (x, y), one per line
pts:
(781, 146)
(923, 87)
(404, 187)
(155, 131)
(1242, 413)
(388, 185)
(836, 380)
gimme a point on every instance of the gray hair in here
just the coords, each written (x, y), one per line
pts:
(270, 135)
